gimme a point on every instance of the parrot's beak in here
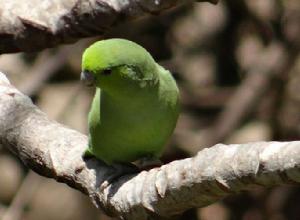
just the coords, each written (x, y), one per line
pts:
(87, 78)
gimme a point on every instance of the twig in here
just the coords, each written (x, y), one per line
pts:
(2, 210)
(24, 194)
(44, 67)
(55, 151)
(213, 99)
(269, 65)
(264, 29)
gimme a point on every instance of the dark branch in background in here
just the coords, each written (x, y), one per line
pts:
(55, 151)
(25, 192)
(273, 63)
(44, 67)
(35, 25)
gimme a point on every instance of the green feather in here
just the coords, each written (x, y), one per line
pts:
(135, 108)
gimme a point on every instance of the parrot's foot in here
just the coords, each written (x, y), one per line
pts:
(147, 163)
(87, 153)
(119, 170)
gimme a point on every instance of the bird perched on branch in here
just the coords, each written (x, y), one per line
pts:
(135, 108)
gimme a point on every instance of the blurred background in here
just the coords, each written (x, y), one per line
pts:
(238, 70)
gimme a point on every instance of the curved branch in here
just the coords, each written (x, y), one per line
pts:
(35, 25)
(54, 150)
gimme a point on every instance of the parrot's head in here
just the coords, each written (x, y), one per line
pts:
(118, 65)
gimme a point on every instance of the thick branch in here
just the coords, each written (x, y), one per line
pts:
(35, 25)
(55, 151)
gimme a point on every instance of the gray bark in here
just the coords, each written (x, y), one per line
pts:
(34, 25)
(55, 151)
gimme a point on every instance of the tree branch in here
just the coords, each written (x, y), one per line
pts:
(54, 151)
(35, 25)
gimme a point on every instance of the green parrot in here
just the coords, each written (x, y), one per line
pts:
(136, 105)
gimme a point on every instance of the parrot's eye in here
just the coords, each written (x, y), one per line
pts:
(106, 72)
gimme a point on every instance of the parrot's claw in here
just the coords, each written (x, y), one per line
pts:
(147, 163)
(87, 153)
(119, 170)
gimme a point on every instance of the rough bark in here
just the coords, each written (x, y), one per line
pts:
(35, 25)
(55, 151)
